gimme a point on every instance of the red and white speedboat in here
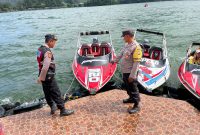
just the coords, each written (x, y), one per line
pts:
(154, 69)
(91, 65)
(189, 74)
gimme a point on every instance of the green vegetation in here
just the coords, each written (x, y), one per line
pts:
(41, 4)
(6, 7)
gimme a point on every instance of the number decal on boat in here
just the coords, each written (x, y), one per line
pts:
(94, 75)
(150, 61)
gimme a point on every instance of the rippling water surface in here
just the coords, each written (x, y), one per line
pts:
(21, 33)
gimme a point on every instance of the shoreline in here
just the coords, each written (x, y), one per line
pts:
(46, 8)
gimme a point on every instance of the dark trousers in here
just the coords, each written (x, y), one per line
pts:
(132, 89)
(52, 93)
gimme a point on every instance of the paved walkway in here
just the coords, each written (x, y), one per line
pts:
(105, 114)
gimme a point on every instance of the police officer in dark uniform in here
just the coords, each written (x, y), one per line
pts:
(47, 77)
(131, 54)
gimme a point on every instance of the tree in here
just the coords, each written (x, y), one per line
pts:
(5, 7)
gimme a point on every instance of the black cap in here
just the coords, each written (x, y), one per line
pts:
(127, 32)
(50, 36)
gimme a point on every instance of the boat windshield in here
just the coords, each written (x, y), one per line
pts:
(193, 68)
(152, 63)
(94, 61)
(153, 45)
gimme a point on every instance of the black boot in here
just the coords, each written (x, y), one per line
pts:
(65, 112)
(128, 100)
(135, 109)
(53, 109)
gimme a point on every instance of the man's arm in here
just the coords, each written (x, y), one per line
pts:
(137, 56)
(46, 64)
(134, 70)
(119, 56)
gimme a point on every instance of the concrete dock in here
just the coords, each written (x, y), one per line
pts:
(105, 114)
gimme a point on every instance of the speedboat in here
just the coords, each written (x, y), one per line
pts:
(154, 68)
(189, 74)
(92, 65)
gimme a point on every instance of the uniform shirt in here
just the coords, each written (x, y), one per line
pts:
(46, 64)
(127, 63)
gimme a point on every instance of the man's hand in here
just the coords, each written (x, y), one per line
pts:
(130, 80)
(39, 81)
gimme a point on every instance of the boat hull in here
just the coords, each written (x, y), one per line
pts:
(93, 78)
(152, 74)
(189, 80)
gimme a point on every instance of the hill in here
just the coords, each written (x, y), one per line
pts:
(13, 5)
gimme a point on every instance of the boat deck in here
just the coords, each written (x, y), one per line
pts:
(105, 114)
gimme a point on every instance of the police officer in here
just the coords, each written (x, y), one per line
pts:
(131, 55)
(46, 76)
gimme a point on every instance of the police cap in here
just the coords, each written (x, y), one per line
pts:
(50, 36)
(127, 32)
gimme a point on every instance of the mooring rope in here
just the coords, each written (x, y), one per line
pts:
(69, 88)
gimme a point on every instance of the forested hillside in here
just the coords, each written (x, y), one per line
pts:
(13, 5)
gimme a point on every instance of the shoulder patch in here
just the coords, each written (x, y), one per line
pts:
(137, 55)
(49, 54)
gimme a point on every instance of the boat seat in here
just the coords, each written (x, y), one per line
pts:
(95, 49)
(146, 49)
(104, 48)
(85, 50)
(156, 53)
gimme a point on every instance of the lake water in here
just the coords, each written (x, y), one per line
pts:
(21, 33)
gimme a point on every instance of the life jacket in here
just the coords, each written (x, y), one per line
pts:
(40, 58)
(192, 60)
